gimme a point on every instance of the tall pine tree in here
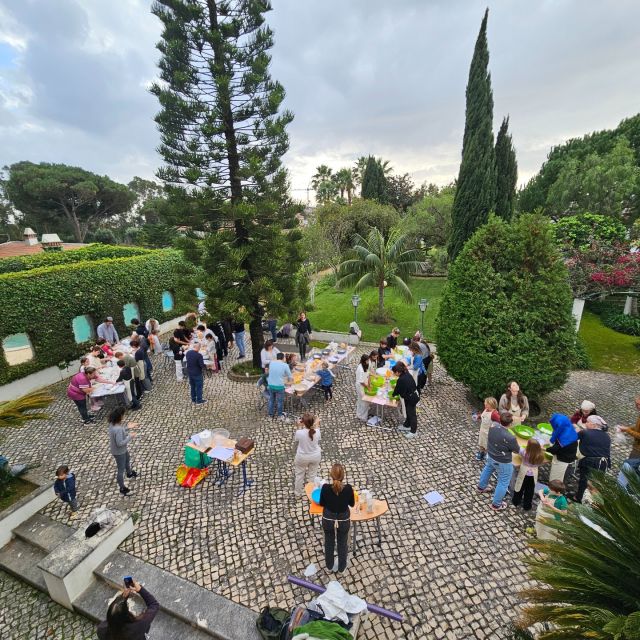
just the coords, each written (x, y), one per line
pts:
(506, 172)
(475, 194)
(374, 183)
(222, 138)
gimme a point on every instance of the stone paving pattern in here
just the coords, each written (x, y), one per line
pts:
(453, 571)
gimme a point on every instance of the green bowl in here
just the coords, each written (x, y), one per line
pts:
(390, 394)
(546, 428)
(370, 392)
(376, 381)
(392, 382)
(548, 456)
(523, 431)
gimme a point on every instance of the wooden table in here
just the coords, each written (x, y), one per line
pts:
(356, 515)
(223, 473)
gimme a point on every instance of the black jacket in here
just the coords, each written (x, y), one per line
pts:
(406, 389)
(137, 629)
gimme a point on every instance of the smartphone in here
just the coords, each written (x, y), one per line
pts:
(128, 582)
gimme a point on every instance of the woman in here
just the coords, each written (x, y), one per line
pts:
(291, 359)
(580, 417)
(362, 381)
(564, 446)
(79, 390)
(384, 353)
(336, 498)
(418, 371)
(96, 357)
(308, 453)
(105, 347)
(406, 389)
(268, 354)
(119, 439)
(303, 334)
(514, 402)
(121, 623)
(152, 325)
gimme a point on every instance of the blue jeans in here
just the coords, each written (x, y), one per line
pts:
(504, 471)
(239, 338)
(196, 383)
(630, 465)
(273, 328)
(147, 361)
(276, 394)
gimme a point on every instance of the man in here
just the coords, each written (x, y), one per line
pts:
(278, 371)
(139, 328)
(79, 389)
(130, 362)
(595, 447)
(272, 323)
(107, 331)
(238, 331)
(143, 339)
(179, 339)
(195, 371)
(140, 356)
(221, 344)
(392, 338)
(127, 378)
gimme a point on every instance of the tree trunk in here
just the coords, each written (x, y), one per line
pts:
(349, 196)
(257, 340)
(381, 299)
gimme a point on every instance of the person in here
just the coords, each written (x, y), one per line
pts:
(238, 334)
(130, 362)
(308, 453)
(384, 353)
(564, 445)
(595, 448)
(202, 308)
(285, 330)
(406, 389)
(79, 389)
(268, 354)
(178, 340)
(140, 356)
(303, 334)
(552, 502)
(222, 342)
(373, 361)
(634, 432)
(227, 325)
(326, 380)
(139, 328)
(487, 417)
(107, 331)
(126, 376)
(362, 381)
(195, 371)
(84, 362)
(418, 371)
(272, 324)
(105, 347)
(579, 418)
(392, 338)
(532, 457)
(65, 488)
(501, 444)
(277, 374)
(96, 357)
(119, 438)
(336, 498)
(122, 623)
(515, 402)
(428, 359)
(211, 351)
(591, 495)
(152, 325)
(291, 359)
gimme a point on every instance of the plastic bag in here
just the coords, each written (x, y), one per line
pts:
(181, 473)
(194, 476)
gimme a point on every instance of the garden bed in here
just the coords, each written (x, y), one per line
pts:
(16, 489)
(244, 372)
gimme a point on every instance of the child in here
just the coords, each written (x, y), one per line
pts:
(532, 458)
(591, 495)
(65, 488)
(552, 502)
(489, 415)
(326, 380)
(211, 351)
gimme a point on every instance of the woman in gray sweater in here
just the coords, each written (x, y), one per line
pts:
(119, 439)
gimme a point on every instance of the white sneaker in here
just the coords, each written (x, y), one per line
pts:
(402, 428)
(335, 566)
(284, 418)
(410, 436)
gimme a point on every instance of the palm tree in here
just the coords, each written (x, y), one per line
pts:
(344, 181)
(326, 191)
(14, 413)
(323, 174)
(377, 262)
(588, 578)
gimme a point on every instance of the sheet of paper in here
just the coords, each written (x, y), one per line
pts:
(433, 498)
(221, 453)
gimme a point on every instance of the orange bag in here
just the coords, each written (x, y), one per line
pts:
(194, 476)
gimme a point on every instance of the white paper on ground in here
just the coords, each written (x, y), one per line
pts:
(337, 603)
(311, 570)
(221, 453)
(433, 498)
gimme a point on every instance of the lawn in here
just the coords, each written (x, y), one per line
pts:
(333, 310)
(609, 350)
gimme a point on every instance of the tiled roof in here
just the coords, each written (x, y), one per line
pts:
(20, 248)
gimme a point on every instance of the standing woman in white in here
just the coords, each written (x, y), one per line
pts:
(308, 453)
(362, 381)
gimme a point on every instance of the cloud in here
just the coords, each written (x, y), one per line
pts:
(364, 76)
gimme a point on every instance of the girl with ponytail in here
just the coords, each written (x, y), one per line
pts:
(308, 453)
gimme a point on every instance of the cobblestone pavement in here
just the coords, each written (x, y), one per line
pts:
(453, 571)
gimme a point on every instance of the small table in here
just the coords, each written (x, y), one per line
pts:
(223, 474)
(382, 402)
(380, 507)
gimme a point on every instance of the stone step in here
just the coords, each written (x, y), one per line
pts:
(21, 559)
(43, 532)
(93, 604)
(214, 615)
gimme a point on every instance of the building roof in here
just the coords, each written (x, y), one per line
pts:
(20, 248)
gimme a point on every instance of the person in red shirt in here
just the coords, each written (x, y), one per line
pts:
(79, 389)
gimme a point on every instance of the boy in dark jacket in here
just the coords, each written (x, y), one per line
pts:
(65, 488)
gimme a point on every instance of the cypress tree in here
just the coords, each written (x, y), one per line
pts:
(506, 172)
(374, 184)
(223, 134)
(475, 194)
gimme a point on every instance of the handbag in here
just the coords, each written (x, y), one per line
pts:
(244, 445)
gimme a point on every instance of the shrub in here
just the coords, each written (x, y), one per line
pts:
(618, 321)
(583, 229)
(505, 313)
(580, 359)
(42, 302)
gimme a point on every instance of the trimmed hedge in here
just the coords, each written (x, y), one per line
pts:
(52, 258)
(43, 302)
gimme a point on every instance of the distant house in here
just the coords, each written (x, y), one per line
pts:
(30, 244)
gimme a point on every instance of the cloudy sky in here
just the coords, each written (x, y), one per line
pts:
(362, 77)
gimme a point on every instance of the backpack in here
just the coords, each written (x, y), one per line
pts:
(272, 623)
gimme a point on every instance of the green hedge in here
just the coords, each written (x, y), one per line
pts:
(43, 302)
(52, 258)
(612, 316)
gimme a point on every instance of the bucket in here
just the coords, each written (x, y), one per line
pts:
(219, 436)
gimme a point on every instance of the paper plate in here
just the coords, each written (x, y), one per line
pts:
(546, 428)
(315, 495)
(523, 431)
(299, 387)
(333, 359)
(341, 351)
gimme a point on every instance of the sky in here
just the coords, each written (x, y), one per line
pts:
(362, 77)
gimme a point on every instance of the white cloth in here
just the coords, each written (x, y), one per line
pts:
(179, 372)
(558, 469)
(305, 466)
(306, 445)
(268, 356)
(337, 603)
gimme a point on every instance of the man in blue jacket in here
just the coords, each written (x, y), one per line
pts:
(195, 372)
(564, 446)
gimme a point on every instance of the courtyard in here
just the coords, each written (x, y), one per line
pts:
(453, 570)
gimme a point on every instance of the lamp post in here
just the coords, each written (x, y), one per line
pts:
(355, 301)
(422, 305)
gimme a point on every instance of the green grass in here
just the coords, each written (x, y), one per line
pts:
(333, 309)
(608, 350)
(16, 489)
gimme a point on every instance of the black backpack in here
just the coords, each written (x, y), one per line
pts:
(272, 623)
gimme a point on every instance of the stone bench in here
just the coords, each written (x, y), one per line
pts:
(68, 569)
(22, 510)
